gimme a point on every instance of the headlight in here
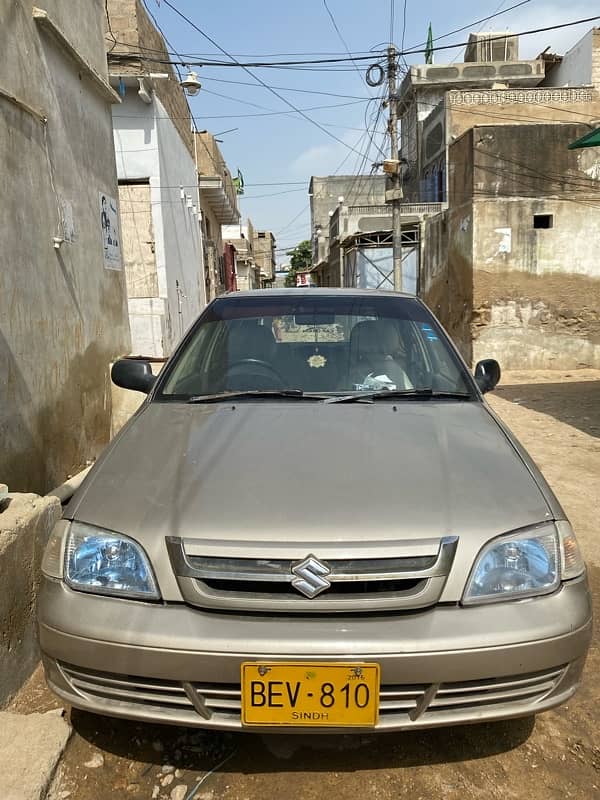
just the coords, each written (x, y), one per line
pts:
(524, 564)
(104, 562)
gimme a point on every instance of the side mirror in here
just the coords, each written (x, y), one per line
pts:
(487, 374)
(131, 373)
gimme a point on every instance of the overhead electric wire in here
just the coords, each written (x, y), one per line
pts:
(516, 118)
(519, 179)
(343, 41)
(256, 77)
(167, 42)
(262, 114)
(287, 88)
(472, 24)
(288, 226)
(110, 30)
(416, 49)
(301, 66)
(237, 100)
(241, 55)
(503, 36)
(527, 171)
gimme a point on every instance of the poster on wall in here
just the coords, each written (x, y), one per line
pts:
(111, 235)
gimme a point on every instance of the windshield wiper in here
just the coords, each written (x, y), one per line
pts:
(295, 393)
(369, 397)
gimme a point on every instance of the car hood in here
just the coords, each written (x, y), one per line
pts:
(311, 475)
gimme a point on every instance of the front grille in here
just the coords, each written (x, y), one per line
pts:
(399, 705)
(340, 585)
(337, 589)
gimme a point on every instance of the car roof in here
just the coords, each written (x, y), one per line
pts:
(315, 291)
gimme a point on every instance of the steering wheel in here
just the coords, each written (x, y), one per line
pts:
(255, 366)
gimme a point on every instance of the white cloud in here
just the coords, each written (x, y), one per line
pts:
(318, 159)
(325, 159)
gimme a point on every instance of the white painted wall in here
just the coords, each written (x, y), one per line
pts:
(576, 66)
(148, 146)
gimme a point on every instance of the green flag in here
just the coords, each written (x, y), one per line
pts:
(429, 48)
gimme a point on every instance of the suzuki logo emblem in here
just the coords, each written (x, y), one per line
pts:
(310, 577)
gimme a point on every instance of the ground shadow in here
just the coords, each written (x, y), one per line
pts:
(198, 750)
(576, 403)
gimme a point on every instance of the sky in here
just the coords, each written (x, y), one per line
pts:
(287, 149)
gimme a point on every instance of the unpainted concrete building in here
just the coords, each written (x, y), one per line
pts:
(219, 206)
(352, 233)
(264, 254)
(63, 302)
(509, 267)
(328, 192)
(158, 184)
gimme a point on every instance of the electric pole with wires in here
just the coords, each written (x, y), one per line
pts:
(392, 167)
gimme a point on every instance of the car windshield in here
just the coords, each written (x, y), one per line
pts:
(320, 344)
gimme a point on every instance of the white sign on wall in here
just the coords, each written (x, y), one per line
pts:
(111, 235)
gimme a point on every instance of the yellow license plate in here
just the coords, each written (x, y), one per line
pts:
(310, 694)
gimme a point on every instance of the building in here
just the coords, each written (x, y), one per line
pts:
(246, 270)
(264, 254)
(352, 233)
(326, 193)
(218, 204)
(158, 184)
(428, 90)
(512, 269)
(63, 303)
(509, 266)
(281, 273)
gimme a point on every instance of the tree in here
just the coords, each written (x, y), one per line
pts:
(300, 259)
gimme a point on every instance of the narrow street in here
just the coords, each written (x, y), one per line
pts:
(557, 417)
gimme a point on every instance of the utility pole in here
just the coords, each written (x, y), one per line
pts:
(392, 168)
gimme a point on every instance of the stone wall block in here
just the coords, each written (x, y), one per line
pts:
(26, 521)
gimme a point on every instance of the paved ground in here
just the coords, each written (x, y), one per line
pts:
(557, 756)
(30, 748)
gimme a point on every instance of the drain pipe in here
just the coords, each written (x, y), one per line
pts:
(66, 490)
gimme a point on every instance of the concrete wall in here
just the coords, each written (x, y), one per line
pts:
(503, 287)
(357, 190)
(538, 306)
(149, 148)
(446, 278)
(63, 315)
(264, 253)
(465, 109)
(536, 291)
(26, 521)
(580, 65)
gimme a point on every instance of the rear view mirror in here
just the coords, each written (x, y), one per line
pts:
(487, 374)
(133, 373)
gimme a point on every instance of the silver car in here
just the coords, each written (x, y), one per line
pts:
(314, 521)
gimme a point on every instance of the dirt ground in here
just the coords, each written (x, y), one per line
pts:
(557, 417)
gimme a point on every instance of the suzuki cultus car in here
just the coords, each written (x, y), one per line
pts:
(314, 521)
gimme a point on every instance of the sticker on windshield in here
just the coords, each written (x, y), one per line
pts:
(375, 382)
(317, 361)
(430, 334)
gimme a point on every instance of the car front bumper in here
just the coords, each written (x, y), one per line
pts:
(442, 666)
